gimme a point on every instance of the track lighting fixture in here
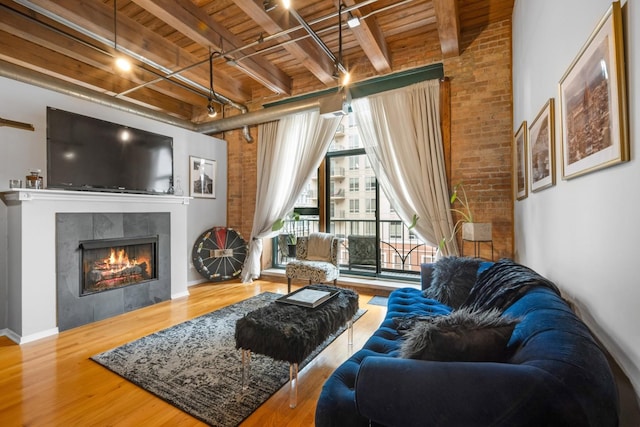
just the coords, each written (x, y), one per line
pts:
(346, 77)
(353, 21)
(339, 67)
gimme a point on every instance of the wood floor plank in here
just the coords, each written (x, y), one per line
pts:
(52, 381)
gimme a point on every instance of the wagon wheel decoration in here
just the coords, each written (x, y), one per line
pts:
(219, 253)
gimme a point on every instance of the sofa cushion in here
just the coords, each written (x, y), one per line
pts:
(464, 335)
(452, 280)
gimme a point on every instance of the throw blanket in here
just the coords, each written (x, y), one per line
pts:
(502, 284)
(319, 248)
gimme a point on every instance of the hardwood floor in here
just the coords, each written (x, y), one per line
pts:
(52, 382)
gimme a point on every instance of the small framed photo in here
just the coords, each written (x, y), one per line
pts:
(520, 161)
(542, 149)
(203, 177)
(593, 102)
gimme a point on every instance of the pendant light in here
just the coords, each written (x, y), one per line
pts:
(122, 63)
(211, 107)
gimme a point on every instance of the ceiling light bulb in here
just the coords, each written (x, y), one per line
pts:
(286, 4)
(346, 79)
(123, 64)
(211, 110)
(353, 21)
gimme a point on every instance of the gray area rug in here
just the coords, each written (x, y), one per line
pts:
(196, 367)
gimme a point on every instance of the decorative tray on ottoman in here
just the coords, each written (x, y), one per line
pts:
(309, 296)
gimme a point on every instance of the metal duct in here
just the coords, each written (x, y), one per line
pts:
(261, 116)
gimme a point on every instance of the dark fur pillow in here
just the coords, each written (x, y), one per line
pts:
(452, 280)
(463, 335)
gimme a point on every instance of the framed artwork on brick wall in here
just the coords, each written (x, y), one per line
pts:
(520, 162)
(593, 102)
(542, 149)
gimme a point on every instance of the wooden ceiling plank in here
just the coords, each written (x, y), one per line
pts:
(196, 24)
(371, 38)
(305, 51)
(448, 21)
(96, 17)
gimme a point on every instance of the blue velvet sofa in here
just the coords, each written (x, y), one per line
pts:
(554, 374)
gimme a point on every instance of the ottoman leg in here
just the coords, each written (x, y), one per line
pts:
(350, 335)
(293, 385)
(246, 368)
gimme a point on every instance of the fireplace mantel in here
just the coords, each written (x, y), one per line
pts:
(31, 217)
(28, 194)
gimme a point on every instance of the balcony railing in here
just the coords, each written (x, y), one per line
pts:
(398, 252)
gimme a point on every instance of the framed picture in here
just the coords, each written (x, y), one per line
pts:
(542, 149)
(520, 161)
(593, 102)
(203, 177)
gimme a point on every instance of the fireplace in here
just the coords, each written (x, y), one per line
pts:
(108, 264)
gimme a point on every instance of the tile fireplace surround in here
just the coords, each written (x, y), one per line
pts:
(33, 311)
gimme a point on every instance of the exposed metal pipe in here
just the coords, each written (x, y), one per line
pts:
(34, 78)
(260, 116)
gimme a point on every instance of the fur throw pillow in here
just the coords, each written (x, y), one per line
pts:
(452, 280)
(464, 336)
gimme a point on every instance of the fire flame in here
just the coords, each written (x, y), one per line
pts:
(119, 260)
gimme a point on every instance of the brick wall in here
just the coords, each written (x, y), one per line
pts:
(481, 111)
(481, 130)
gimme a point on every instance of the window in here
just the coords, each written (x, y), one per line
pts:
(395, 230)
(370, 205)
(370, 228)
(354, 141)
(370, 183)
(354, 206)
(353, 163)
(354, 184)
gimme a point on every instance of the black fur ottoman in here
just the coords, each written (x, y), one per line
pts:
(290, 333)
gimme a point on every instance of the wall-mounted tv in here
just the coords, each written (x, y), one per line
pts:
(84, 153)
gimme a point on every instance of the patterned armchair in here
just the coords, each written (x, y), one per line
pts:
(317, 260)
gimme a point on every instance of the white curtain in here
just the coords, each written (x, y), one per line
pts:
(400, 130)
(289, 151)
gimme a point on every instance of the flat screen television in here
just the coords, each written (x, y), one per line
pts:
(84, 153)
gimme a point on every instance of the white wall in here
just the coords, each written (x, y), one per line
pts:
(582, 233)
(22, 150)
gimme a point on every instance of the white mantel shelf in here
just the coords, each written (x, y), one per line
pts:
(29, 194)
(31, 220)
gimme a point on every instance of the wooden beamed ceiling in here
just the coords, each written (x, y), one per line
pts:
(261, 51)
